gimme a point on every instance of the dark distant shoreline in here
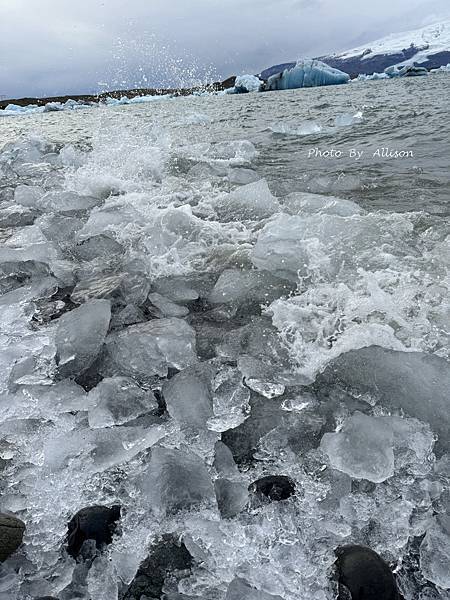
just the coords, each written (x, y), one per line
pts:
(117, 94)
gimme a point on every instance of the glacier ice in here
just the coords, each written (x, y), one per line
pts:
(306, 73)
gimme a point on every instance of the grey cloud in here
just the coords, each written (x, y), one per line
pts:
(63, 46)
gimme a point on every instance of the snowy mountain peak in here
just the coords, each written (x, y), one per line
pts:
(428, 46)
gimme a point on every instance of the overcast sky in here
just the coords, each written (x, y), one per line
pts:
(50, 47)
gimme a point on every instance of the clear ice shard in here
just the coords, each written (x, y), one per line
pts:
(80, 335)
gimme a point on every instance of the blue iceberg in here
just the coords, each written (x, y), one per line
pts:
(306, 73)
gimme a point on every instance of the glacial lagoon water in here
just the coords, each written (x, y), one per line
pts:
(198, 293)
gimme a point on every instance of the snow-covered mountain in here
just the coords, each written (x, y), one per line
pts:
(428, 47)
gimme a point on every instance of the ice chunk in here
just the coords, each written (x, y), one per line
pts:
(148, 349)
(224, 462)
(230, 400)
(98, 246)
(166, 307)
(67, 203)
(363, 448)
(309, 204)
(97, 287)
(291, 246)
(306, 73)
(232, 497)
(188, 398)
(347, 119)
(102, 580)
(435, 552)
(414, 382)
(236, 285)
(242, 176)
(239, 589)
(80, 335)
(252, 201)
(16, 216)
(261, 376)
(117, 400)
(176, 480)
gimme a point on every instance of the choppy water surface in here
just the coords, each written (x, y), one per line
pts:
(196, 296)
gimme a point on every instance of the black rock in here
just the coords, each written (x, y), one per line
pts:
(46, 598)
(274, 487)
(168, 556)
(11, 535)
(96, 523)
(364, 574)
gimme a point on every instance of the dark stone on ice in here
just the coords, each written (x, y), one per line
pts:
(274, 487)
(96, 523)
(11, 535)
(168, 556)
(46, 598)
(364, 574)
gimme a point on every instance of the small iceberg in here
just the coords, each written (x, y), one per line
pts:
(405, 71)
(245, 84)
(306, 73)
(373, 77)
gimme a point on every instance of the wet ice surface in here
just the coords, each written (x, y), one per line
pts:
(189, 306)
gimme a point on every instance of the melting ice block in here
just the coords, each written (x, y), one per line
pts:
(307, 73)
